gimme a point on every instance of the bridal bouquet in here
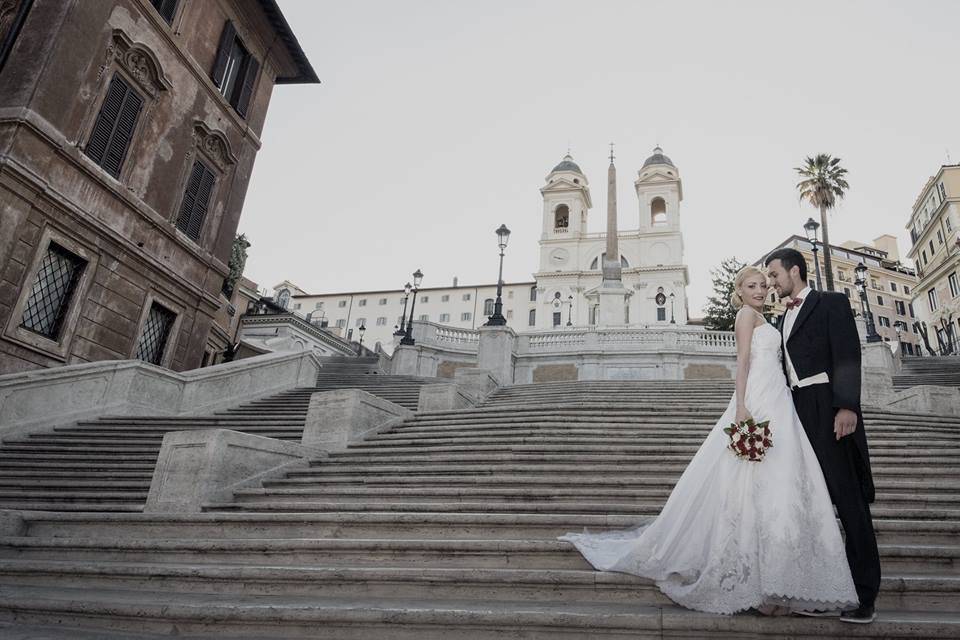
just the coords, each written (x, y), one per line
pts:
(749, 440)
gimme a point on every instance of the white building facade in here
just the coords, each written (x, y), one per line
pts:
(562, 293)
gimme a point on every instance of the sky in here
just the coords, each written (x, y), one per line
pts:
(435, 122)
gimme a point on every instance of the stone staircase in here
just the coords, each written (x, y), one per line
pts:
(941, 371)
(445, 526)
(107, 464)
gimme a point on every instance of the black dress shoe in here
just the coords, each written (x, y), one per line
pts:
(861, 615)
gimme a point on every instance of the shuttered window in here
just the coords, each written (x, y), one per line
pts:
(165, 8)
(113, 129)
(234, 70)
(196, 199)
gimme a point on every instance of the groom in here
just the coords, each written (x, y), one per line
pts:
(822, 364)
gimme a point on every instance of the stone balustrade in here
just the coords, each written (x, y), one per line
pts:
(585, 353)
(47, 398)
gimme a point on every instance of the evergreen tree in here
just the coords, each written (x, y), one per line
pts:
(720, 314)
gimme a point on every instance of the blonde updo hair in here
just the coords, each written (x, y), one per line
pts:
(742, 275)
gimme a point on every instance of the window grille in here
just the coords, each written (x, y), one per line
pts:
(113, 129)
(156, 331)
(57, 278)
(196, 199)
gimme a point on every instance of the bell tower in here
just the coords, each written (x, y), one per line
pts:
(566, 201)
(659, 193)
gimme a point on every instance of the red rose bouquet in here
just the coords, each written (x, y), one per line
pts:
(749, 440)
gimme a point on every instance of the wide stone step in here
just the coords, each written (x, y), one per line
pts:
(38, 472)
(269, 503)
(678, 455)
(515, 438)
(929, 592)
(537, 493)
(906, 485)
(393, 525)
(526, 554)
(596, 469)
(231, 615)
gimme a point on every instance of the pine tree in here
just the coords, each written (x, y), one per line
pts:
(720, 314)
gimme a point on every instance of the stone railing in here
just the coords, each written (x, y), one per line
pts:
(431, 334)
(48, 398)
(718, 341)
(553, 340)
(627, 339)
(289, 331)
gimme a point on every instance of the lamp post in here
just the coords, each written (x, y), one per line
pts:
(861, 271)
(811, 227)
(672, 318)
(570, 311)
(401, 330)
(497, 319)
(408, 334)
(362, 330)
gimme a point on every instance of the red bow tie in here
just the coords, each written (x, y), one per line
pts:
(794, 303)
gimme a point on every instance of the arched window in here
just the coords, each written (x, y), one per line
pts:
(283, 298)
(488, 307)
(532, 317)
(658, 211)
(561, 217)
(533, 293)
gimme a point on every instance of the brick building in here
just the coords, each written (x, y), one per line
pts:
(128, 131)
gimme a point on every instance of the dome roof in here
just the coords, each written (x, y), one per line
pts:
(658, 158)
(567, 164)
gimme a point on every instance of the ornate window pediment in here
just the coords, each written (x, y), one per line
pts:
(214, 145)
(141, 63)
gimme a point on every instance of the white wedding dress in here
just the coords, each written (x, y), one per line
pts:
(736, 534)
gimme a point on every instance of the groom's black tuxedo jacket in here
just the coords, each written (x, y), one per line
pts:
(824, 338)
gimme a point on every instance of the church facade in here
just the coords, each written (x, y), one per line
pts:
(650, 288)
(652, 269)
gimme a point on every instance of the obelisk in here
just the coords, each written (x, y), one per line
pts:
(611, 259)
(611, 291)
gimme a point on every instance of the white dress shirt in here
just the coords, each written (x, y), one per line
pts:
(788, 319)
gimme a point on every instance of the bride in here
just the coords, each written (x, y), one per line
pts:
(736, 534)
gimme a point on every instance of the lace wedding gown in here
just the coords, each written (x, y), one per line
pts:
(736, 534)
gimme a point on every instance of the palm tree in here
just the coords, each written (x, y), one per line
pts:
(822, 185)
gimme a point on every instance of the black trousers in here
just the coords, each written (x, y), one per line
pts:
(842, 466)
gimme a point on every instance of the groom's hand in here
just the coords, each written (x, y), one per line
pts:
(844, 423)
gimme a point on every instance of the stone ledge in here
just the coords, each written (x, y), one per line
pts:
(337, 418)
(43, 399)
(201, 466)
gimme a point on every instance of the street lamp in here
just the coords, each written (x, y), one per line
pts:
(861, 283)
(570, 311)
(408, 334)
(811, 227)
(497, 319)
(672, 318)
(362, 330)
(401, 330)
